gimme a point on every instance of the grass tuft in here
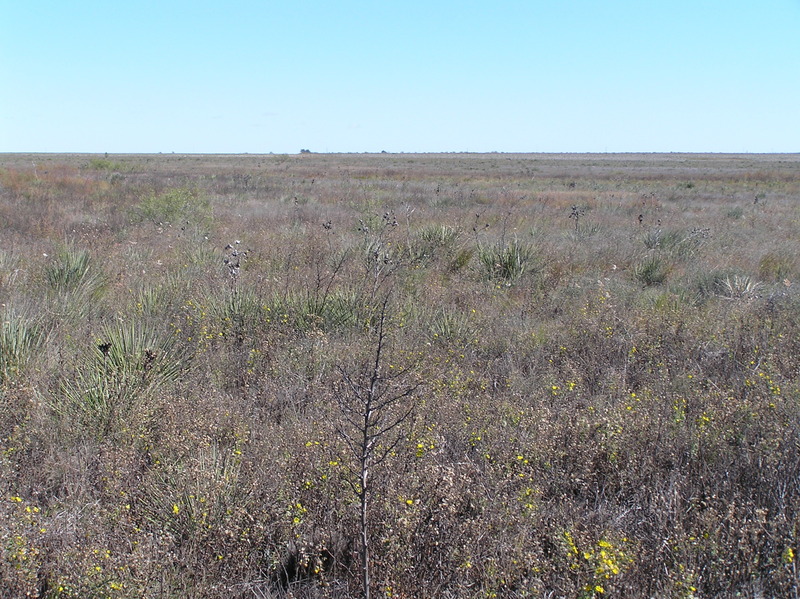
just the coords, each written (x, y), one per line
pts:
(652, 270)
(505, 263)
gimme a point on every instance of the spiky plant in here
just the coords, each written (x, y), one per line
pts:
(739, 287)
(129, 364)
(75, 284)
(652, 270)
(450, 326)
(68, 270)
(424, 245)
(19, 337)
(505, 262)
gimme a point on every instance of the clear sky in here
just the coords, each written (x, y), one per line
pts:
(265, 76)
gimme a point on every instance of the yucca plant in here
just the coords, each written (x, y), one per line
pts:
(677, 243)
(238, 308)
(709, 284)
(76, 284)
(653, 270)
(423, 246)
(9, 270)
(438, 235)
(19, 337)
(505, 262)
(171, 290)
(68, 270)
(448, 326)
(727, 285)
(130, 363)
(739, 287)
(660, 239)
(342, 309)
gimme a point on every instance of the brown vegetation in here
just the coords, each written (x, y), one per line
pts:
(576, 376)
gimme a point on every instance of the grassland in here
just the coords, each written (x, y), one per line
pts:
(583, 372)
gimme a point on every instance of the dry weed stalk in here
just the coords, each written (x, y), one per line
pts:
(375, 405)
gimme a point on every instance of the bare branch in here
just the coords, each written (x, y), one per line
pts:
(372, 412)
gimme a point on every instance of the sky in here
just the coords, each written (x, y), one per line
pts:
(237, 76)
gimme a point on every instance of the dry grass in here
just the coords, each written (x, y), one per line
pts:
(603, 406)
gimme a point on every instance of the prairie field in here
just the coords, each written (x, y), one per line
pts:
(399, 375)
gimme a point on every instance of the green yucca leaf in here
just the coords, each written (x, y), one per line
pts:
(19, 338)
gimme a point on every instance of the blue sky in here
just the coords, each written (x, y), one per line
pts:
(413, 76)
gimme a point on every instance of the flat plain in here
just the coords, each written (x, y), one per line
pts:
(465, 375)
